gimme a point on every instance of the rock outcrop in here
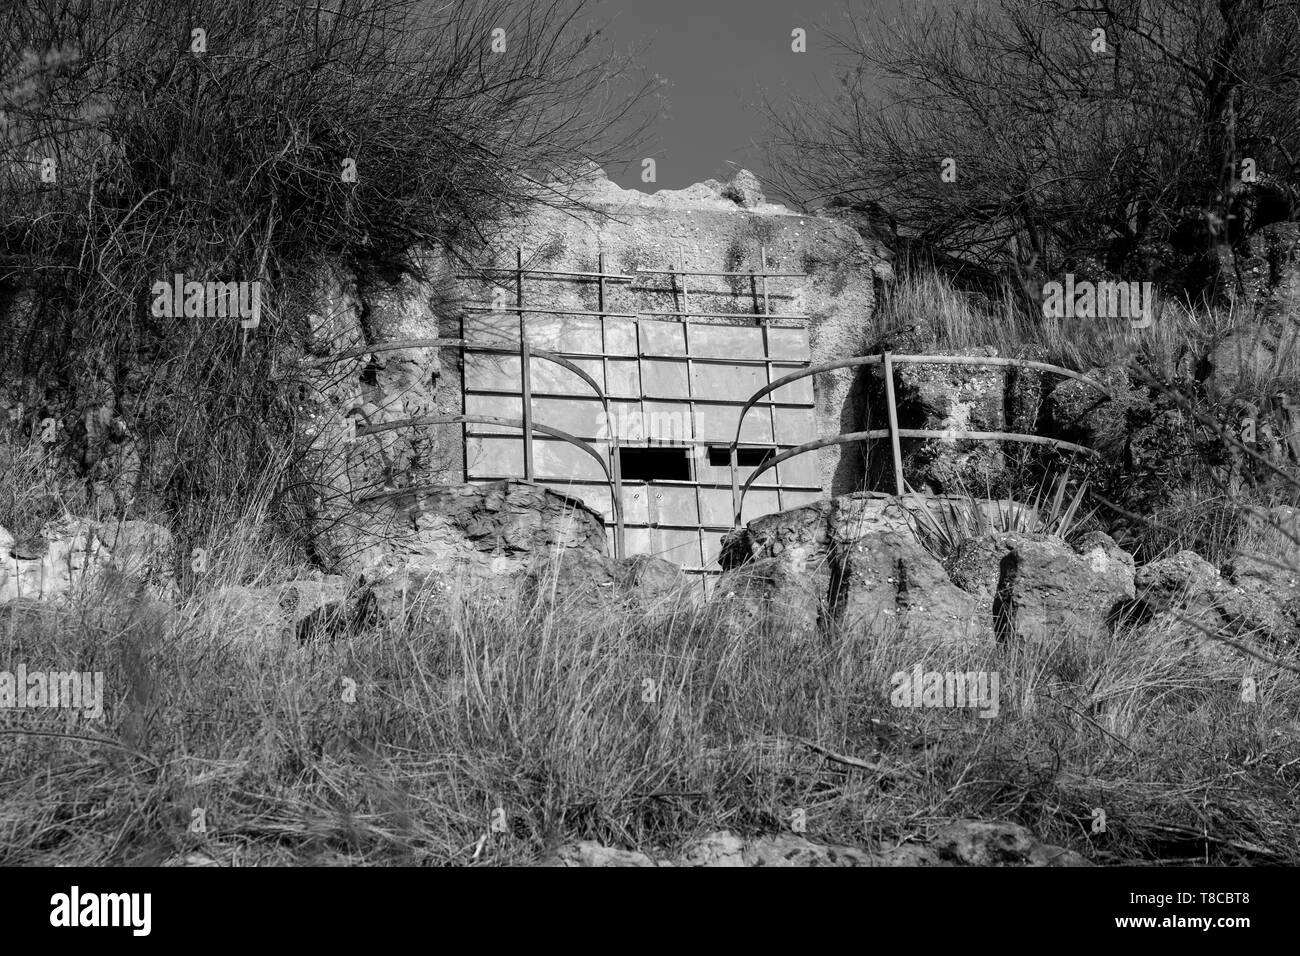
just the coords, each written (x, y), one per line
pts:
(577, 578)
(423, 544)
(963, 843)
(269, 616)
(956, 400)
(1046, 591)
(866, 568)
(857, 561)
(1191, 603)
(1270, 272)
(74, 554)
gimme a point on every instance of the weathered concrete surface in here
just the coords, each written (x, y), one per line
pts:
(715, 227)
(371, 389)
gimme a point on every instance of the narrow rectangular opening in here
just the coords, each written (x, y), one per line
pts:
(655, 464)
(720, 456)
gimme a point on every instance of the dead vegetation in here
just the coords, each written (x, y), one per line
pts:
(637, 728)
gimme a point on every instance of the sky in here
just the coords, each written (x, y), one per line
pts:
(719, 58)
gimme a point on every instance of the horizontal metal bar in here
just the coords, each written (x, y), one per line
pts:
(876, 433)
(615, 276)
(953, 435)
(624, 443)
(727, 315)
(543, 354)
(756, 275)
(656, 356)
(992, 360)
(486, 420)
(399, 344)
(704, 485)
(715, 359)
(718, 360)
(633, 399)
(514, 309)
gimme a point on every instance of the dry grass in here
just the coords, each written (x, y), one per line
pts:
(475, 703)
(1262, 362)
(540, 710)
(1258, 371)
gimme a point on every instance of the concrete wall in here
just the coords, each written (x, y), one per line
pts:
(709, 227)
(713, 227)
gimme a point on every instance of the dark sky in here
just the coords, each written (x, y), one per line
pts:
(719, 57)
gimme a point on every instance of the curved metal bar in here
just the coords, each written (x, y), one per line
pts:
(806, 446)
(615, 496)
(794, 377)
(907, 360)
(737, 494)
(903, 433)
(768, 389)
(616, 484)
(494, 349)
(462, 343)
(998, 436)
(1001, 362)
(485, 420)
(558, 360)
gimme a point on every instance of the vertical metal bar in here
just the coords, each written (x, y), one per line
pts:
(640, 388)
(697, 452)
(893, 422)
(735, 487)
(615, 462)
(767, 370)
(690, 404)
(681, 264)
(620, 546)
(525, 366)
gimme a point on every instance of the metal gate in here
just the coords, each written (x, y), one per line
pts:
(888, 360)
(676, 383)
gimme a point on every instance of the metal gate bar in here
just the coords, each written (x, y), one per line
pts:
(613, 477)
(517, 423)
(893, 432)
